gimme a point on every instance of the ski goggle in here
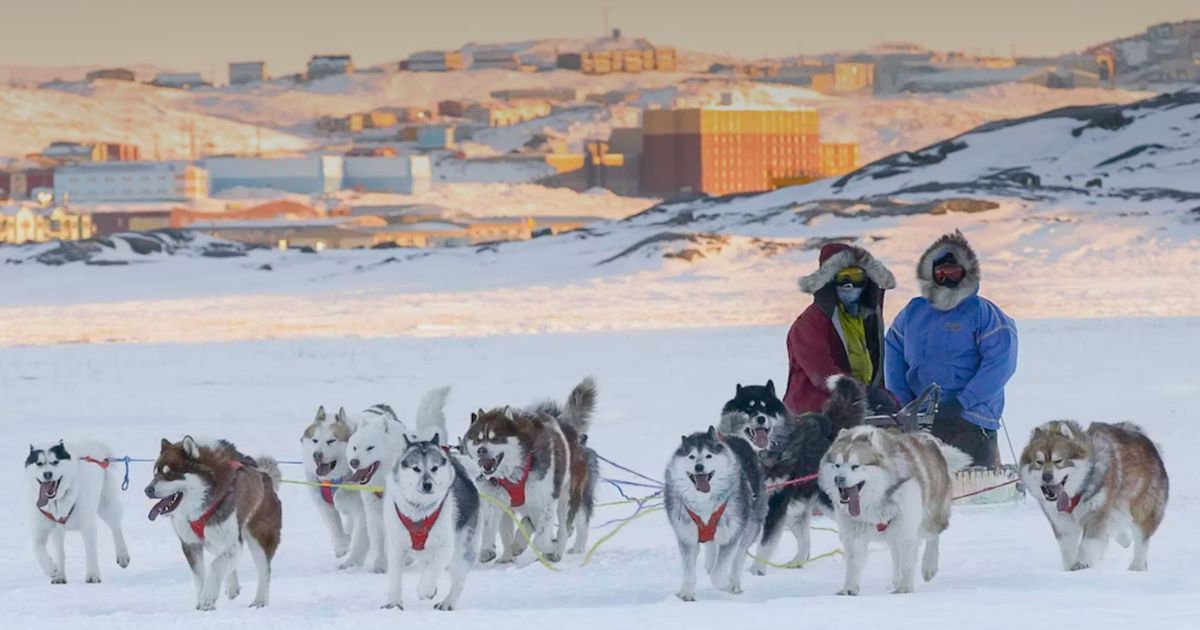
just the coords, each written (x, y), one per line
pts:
(949, 272)
(850, 275)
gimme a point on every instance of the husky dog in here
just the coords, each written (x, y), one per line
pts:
(1108, 479)
(377, 439)
(71, 486)
(325, 461)
(790, 448)
(714, 497)
(432, 513)
(217, 498)
(533, 461)
(891, 486)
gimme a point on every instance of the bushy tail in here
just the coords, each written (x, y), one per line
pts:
(270, 466)
(956, 460)
(580, 405)
(431, 414)
(847, 404)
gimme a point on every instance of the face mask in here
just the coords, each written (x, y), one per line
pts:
(849, 294)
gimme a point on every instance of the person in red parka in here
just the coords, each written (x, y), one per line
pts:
(841, 332)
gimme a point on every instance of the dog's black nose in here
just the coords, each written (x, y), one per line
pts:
(482, 450)
(47, 475)
(761, 419)
(839, 480)
(1047, 477)
(150, 491)
(354, 463)
(699, 468)
(427, 487)
(319, 458)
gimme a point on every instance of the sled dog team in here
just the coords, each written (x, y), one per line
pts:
(760, 472)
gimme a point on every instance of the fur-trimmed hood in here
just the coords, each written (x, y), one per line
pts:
(836, 257)
(946, 298)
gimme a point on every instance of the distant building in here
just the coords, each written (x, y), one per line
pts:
(315, 174)
(319, 234)
(21, 182)
(436, 61)
(114, 220)
(498, 59)
(130, 181)
(507, 114)
(535, 94)
(406, 175)
(726, 150)
(112, 74)
(278, 209)
(34, 224)
(435, 137)
(370, 151)
(498, 229)
(838, 158)
(623, 60)
(849, 78)
(423, 234)
(66, 152)
(247, 72)
(329, 65)
(180, 80)
(453, 108)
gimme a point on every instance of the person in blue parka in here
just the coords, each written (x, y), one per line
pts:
(962, 342)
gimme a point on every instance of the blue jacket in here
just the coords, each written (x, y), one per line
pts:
(969, 350)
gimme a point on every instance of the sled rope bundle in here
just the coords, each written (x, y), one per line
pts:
(657, 483)
(125, 460)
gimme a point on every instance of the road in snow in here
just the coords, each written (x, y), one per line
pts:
(1000, 563)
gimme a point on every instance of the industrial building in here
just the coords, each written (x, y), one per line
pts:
(329, 65)
(322, 174)
(436, 61)
(247, 72)
(179, 80)
(130, 181)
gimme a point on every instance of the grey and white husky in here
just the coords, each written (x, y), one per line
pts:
(377, 440)
(71, 485)
(324, 445)
(714, 497)
(893, 487)
(432, 513)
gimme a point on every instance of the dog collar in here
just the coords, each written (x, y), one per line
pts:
(882, 527)
(199, 524)
(707, 530)
(418, 531)
(60, 521)
(102, 463)
(516, 489)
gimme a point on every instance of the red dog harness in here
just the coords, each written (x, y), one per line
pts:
(102, 463)
(516, 489)
(198, 524)
(706, 531)
(418, 531)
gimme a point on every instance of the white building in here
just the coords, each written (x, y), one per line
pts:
(329, 65)
(406, 175)
(247, 72)
(314, 174)
(436, 61)
(130, 181)
(183, 80)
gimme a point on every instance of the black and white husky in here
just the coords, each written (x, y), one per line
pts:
(715, 498)
(71, 485)
(432, 513)
(377, 440)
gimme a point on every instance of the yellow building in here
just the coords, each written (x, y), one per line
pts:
(838, 158)
(849, 78)
(29, 224)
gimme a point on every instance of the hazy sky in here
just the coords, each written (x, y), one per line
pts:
(200, 34)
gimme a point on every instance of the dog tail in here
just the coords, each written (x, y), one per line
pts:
(580, 404)
(431, 414)
(847, 404)
(956, 460)
(270, 467)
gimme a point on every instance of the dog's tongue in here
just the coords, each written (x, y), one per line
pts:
(324, 468)
(45, 489)
(855, 507)
(158, 508)
(1064, 501)
(701, 482)
(761, 439)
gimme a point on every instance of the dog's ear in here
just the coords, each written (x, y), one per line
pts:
(31, 449)
(474, 417)
(738, 391)
(341, 415)
(712, 432)
(434, 440)
(508, 412)
(166, 446)
(320, 415)
(407, 442)
(771, 387)
(190, 447)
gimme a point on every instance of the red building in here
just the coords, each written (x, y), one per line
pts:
(18, 184)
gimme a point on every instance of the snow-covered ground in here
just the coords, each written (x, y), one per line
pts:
(1000, 566)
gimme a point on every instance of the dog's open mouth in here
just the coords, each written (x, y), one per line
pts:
(324, 468)
(702, 481)
(760, 436)
(849, 497)
(489, 464)
(47, 490)
(165, 506)
(1058, 494)
(363, 476)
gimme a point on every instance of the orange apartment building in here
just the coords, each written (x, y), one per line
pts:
(720, 151)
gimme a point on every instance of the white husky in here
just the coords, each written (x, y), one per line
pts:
(378, 438)
(72, 484)
(324, 445)
(893, 487)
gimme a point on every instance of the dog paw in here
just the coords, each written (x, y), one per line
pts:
(379, 569)
(1079, 566)
(123, 560)
(687, 597)
(902, 590)
(444, 606)
(92, 579)
(929, 574)
(733, 589)
(487, 555)
(757, 570)
(340, 552)
(506, 559)
(574, 552)
(395, 606)
(848, 592)
(554, 556)
(232, 590)
(58, 579)
(206, 605)
(258, 603)
(429, 595)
